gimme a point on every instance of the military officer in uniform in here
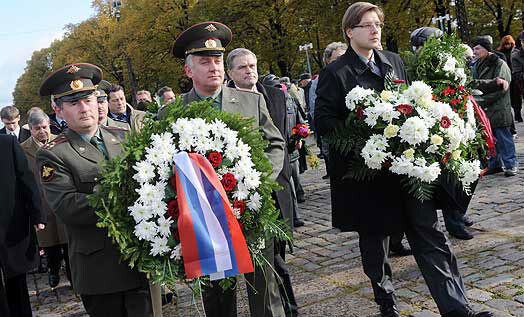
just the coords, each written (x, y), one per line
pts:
(69, 167)
(53, 238)
(203, 46)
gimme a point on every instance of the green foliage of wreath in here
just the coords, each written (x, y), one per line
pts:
(116, 192)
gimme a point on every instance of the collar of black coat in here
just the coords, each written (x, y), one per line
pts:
(490, 60)
(360, 67)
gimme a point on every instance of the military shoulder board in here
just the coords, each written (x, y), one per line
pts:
(59, 139)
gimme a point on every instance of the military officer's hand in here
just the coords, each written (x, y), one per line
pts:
(298, 145)
(39, 227)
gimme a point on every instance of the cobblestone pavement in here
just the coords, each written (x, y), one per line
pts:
(326, 269)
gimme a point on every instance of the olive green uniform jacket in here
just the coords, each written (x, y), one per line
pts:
(69, 168)
(54, 232)
(249, 104)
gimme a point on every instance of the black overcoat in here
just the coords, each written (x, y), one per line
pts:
(19, 210)
(375, 206)
(22, 136)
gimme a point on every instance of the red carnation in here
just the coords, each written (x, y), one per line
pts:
(228, 181)
(172, 181)
(240, 204)
(360, 113)
(445, 122)
(461, 88)
(405, 109)
(451, 91)
(215, 159)
(454, 102)
(446, 158)
(172, 209)
(399, 81)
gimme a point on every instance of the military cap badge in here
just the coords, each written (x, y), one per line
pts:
(76, 84)
(211, 28)
(211, 43)
(73, 69)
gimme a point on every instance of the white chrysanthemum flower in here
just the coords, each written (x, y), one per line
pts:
(217, 144)
(232, 152)
(145, 230)
(391, 130)
(145, 172)
(140, 212)
(186, 142)
(164, 226)
(159, 246)
(164, 172)
(440, 109)
(252, 179)
(204, 145)
(401, 166)
(236, 212)
(414, 131)
(148, 193)
(158, 207)
(356, 96)
(181, 126)
(162, 141)
(454, 136)
(254, 202)
(373, 153)
(176, 254)
(243, 148)
(371, 117)
(230, 137)
(200, 128)
(469, 172)
(419, 92)
(433, 148)
(241, 192)
(449, 64)
(426, 173)
(460, 76)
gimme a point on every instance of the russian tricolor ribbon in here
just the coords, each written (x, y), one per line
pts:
(210, 235)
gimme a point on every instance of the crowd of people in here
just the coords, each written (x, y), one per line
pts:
(52, 164)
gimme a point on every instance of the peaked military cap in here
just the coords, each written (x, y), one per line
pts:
(206, 38)
(72, 82)
(102, 90)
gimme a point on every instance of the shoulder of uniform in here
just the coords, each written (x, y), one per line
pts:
(239, 92)
(113, 128)
(51, 144)
(118, 120)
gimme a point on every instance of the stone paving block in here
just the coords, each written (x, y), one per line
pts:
(479, 295)
(425, 313)
(494, 281)
(505, 305)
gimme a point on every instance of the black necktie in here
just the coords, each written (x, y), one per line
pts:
(122, 117)
(374, 68)
(63, 125)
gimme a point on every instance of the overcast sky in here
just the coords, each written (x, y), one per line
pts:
(29, 25)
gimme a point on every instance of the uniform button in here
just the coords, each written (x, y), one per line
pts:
(96, 179)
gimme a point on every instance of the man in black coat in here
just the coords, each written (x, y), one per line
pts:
(242, 69)
(10, 116)
(20, 212)
(381, 207)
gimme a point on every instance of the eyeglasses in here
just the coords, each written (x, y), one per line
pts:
(370, 26)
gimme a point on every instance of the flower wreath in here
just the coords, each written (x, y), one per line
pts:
(137, 199)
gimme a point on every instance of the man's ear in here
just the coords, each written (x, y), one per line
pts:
(349, 33)
(188, 71)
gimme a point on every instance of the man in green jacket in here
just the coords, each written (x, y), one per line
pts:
(496, 104)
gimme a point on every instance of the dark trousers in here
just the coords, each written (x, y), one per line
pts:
(17, 296)
(295, 174)
(55, 255)
(284, 280)
(262, 290)
(431, 251)
(130, 303)
(453, 220)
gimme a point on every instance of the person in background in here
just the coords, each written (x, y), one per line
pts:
(20, 216)
(53, 238)
(166, 95)
(10, 116)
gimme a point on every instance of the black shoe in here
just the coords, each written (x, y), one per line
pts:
(54, 280)
(494, 170)
(467, 221)
(301, 200)
(462, 234)
(389, 310)
(467, 312)
(298, 223)
(325, 177)
(399, 250)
